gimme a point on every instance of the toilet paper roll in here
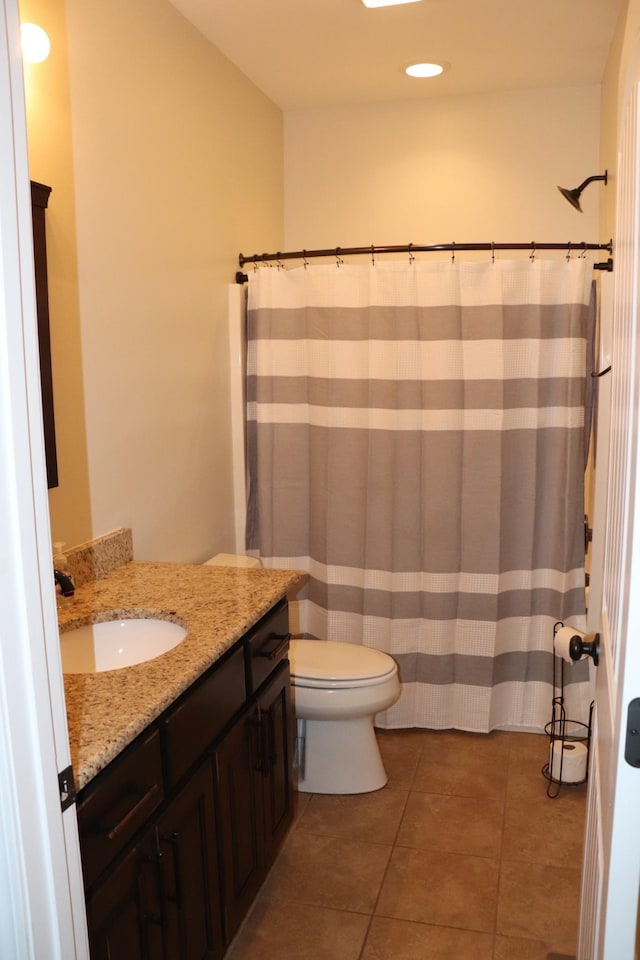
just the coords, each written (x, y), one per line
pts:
(563, 638)
(568, 761)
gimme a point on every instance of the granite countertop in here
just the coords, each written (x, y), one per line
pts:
(217, 605)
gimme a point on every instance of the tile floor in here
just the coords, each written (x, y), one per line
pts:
(462, 856)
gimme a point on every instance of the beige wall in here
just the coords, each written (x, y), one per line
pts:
(476, 168)
(50, 161)
(177, 166)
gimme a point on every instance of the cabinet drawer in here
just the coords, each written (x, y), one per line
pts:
(267, 644)
(118, 802)
(209, 705)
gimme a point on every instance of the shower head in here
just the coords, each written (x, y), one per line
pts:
(573, 196)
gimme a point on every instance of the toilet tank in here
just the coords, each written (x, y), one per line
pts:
(232, 560)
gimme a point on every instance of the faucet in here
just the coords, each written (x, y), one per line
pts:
(65, 583)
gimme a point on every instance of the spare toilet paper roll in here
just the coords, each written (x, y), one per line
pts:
(562, 639)
(568, 761)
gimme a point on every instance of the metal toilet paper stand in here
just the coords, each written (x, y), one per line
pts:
(563, 731)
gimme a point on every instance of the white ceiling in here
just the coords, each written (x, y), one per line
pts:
(305, 53)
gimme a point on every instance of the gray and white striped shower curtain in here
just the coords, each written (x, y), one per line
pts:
(415, 443)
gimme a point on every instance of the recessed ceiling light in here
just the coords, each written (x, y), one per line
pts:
(386, 3)
(424, 70)
(35, 43)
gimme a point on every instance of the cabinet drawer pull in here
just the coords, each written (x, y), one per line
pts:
(276, 647)
(136, 810)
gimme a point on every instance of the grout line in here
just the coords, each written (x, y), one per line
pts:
(393, 847)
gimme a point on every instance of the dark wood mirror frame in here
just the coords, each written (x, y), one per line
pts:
(39, 200)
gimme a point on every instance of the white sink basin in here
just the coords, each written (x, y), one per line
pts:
(114, 644)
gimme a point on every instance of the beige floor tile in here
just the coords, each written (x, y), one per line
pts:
(401, 751)
(464, 764)
(300, 804)
(527, 756)
(514, 948)
(367, 816)
(537, 902)
(463, 825)
(440, 888)
(328, 872)
(299, 932)
(545, 831)
(404, 940)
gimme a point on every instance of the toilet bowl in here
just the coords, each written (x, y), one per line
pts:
(337, 690)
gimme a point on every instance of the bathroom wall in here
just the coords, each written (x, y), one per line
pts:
(51, 162)
(172, 162)
(481, 167)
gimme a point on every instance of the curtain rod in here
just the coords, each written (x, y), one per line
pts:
(411, 248)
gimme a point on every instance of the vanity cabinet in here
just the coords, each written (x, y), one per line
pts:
(162, 899)
(178, 832)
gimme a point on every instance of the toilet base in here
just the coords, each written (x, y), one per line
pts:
(341, 756)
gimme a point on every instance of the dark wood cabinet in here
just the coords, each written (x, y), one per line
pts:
(255, 794)
(124, 915)
(189, 871)
(178, 833)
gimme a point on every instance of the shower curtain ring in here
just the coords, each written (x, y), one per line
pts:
(583, 253)
(339, 260)
(532, 255)
(568, 251)
(453, 252)
(305, 262)
(279, 263)
(493, 252)
(373, 259)
(411, 256)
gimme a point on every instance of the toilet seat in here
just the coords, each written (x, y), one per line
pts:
(328, 664)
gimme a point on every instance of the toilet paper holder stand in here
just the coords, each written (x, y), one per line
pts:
(563, 731)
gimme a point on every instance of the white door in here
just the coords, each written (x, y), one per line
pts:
(42, 908)
(612, 840)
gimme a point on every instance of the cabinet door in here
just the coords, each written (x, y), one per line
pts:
(255, 795)
(240, 811)
(274, 706)
(124, 915)
(187, 841)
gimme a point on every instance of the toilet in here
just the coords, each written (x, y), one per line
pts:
(337, 690)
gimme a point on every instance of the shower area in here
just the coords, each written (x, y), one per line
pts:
(416, 434)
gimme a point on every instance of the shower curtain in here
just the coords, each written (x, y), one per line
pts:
(415, 443)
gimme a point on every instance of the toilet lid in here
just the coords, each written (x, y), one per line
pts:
(330, 661)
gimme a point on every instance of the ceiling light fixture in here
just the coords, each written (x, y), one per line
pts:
(423, 70)
(35, 43)
(386, 3)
